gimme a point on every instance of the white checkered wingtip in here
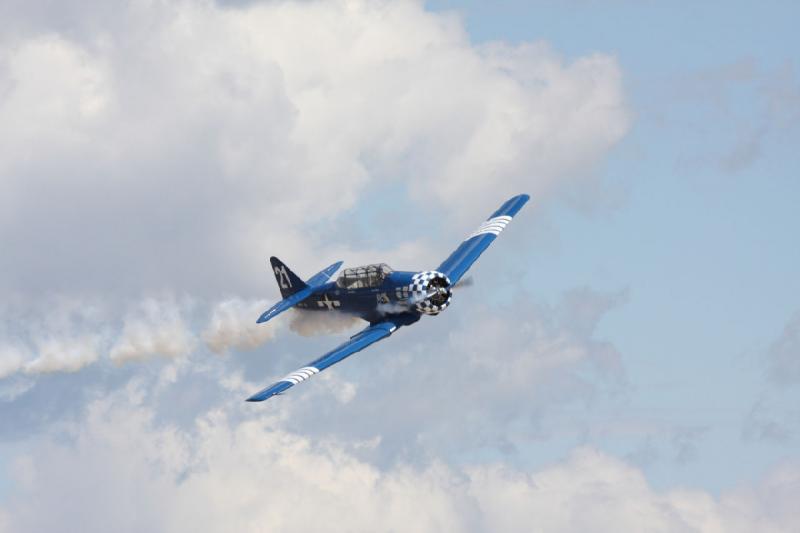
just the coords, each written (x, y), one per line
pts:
(301, 375)
(493, 225)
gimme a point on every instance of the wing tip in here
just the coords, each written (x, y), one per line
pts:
(273, 390)
(521, 199)
(331, 270)
(512, 205)
(260, 397)
(266, 315)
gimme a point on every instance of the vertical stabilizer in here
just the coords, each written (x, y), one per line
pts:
(288, 282)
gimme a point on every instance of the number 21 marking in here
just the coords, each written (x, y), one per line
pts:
(283, 277)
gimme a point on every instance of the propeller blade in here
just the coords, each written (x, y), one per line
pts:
(464, 282)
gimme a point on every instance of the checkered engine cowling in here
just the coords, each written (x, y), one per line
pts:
(425, 283)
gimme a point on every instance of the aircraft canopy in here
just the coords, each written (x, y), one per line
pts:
(364, 276)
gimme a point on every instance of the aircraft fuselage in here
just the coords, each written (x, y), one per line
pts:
(390, 297)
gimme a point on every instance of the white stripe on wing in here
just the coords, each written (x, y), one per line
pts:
(301, 375)
(493, 225)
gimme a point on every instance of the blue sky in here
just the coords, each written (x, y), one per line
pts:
(632, 341)
(706, 254)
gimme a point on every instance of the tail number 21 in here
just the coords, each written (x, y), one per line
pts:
(283, 277)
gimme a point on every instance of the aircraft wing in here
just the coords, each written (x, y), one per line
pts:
(473, 246)
(357, 342)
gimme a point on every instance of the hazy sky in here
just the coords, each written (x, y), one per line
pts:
(628, 358)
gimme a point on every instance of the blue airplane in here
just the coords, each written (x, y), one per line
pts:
(385, 298)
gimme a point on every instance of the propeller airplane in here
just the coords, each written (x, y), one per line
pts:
(385, 298)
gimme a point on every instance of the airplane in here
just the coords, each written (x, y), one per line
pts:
(385, 298)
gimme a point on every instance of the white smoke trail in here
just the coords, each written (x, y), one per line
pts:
(165, 327)
(11, 360)
(64, 355)
(394, 308)
(157, 328)
(76, 334)
(390, 308)
(233, 325)
(311, 323)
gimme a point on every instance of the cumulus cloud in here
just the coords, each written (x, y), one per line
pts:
(156, 329)
(250, 473)
(233, 325)
(475, 376)
(33, 112)
(187, 141)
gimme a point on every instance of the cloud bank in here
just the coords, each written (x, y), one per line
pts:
(187, 141)
(251, 474)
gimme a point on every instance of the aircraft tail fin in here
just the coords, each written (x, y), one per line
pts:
(293, 289)
(288, 282)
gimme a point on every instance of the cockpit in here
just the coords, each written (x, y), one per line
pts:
(363, 277)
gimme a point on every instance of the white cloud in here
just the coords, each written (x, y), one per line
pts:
(594, 492)
(32, 113)
(184, 144)
(475, 358)
(475, 377)
(124, 468)
(156, 329)
(233, 325)
(188, 141)
(482, 359)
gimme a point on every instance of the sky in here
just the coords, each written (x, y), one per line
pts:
(627, 359)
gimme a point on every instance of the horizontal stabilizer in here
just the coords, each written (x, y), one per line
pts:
(307, 288)
(323, 276)
(286, 303)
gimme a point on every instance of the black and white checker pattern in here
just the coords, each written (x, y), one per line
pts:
(418, 291)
